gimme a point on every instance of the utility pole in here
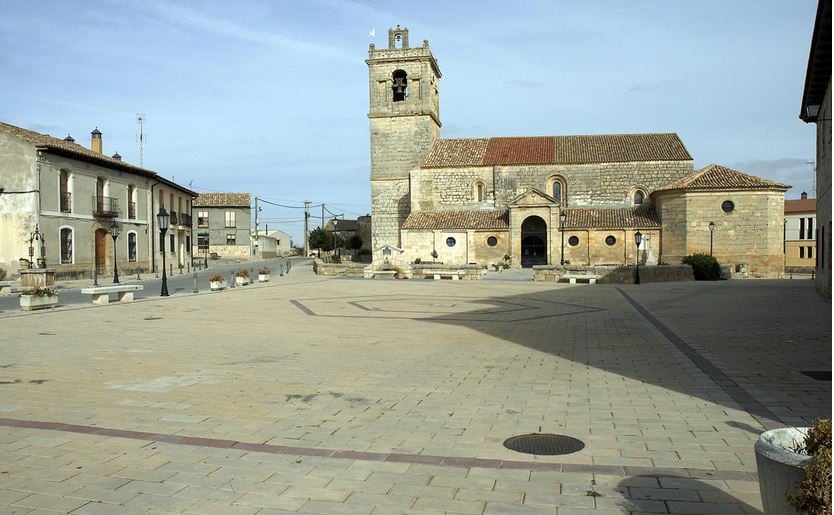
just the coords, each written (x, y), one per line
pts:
(322, 216)
(306, 227)
(256, 222)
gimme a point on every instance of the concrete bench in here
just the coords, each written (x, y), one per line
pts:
(6, 287)
(101, 294)
(573, 276)
(439, 274)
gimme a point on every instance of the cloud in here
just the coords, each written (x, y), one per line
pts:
(186, 16)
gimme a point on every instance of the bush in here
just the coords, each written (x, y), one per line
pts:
(705, 268)
(243, 273)
(815, 488)
(264, 271)
(216, 278)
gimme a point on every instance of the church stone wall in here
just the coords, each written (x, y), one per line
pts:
(390, 207)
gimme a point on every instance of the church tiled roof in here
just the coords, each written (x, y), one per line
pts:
(589, 149)
(716, 177)
(65, 147)
(640, 217)
(497, 219)
(221, 200)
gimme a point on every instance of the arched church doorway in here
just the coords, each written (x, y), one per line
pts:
(533, 242)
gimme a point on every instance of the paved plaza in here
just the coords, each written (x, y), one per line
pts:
(335, 395)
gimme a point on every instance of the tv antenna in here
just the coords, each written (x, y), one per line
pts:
(140, 119)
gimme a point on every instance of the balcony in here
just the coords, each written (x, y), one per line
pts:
(185, 220)
(66, 202)
(131, 210)
(174, 220)
(105, 207)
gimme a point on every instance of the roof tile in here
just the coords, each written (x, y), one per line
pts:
(222, 200)
(716, 177)
(639, 217)
(497, 219)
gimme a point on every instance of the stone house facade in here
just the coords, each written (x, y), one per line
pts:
(816, 109)
(577, 200)
(72, 194)
(222, 224)
(800, 233)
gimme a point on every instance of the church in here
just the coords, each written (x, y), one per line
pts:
(549, 200)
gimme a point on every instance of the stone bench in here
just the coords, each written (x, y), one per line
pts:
(573, 276)
(101, 294)
(6, 287)
(439, 274)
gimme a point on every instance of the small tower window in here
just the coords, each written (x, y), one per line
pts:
(400, 85)
(480, 192)
(556, 189)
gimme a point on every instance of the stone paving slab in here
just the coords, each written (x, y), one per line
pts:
(328, 395)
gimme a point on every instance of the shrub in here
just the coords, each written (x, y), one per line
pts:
(243, 273)
(216, 278)
(705, 268)
(434, 254)
(40, 292)
(264, 271)
(815, 488)
(2, 274)
(418, 261)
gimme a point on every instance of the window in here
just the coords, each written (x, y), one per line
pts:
(810, 228)
(801, 252)
(810, 252)
(450, 242)
(230, 239)
(173, 243)
(399, 85)
(65, 195)
(556, 188)
(202, 219)
(131, 247)
(728, 206)
(230, 219)
(801, 228)
(480, 191)
(131, 201)
(610, 240)
(66, 246)
(188, 244)
(573, 241)
(203, 241)
(639, 198)
(161, 201)
(492, 241)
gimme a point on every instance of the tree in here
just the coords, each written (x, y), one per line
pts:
(320, 239)
(354, 242)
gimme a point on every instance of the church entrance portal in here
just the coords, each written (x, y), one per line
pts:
(533, 242)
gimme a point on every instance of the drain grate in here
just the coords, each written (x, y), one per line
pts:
(544, 444)
(818, 375)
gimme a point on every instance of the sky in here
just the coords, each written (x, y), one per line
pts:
(271, 97)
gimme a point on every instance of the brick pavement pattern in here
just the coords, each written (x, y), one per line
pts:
(323, 395)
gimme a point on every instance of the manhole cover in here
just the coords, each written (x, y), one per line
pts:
(544, 444)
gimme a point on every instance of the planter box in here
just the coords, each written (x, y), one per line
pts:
(241, 281)
(33, 302)
(217, 285)
(779, 468)
(263, 278)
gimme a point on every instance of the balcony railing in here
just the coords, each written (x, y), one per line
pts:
(131, 210)
(66, 202)
(185, 220)
(106, 207)
(174, 220)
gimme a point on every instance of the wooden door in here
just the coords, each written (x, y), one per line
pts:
(101, 251)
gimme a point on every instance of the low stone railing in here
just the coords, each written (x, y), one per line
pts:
(470, 272)
(613, 274)
(338, 269)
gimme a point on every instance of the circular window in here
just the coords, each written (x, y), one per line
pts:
(492, 241)
(610, 240)
(573, 241)
(450, 242)
(727, 206)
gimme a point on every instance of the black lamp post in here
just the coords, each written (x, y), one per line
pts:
(711, 230)
(562, 219)
(162, 219)
(638, 239)
(205, 248)
(114, 232)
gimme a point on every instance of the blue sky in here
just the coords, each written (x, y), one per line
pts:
(270, 97)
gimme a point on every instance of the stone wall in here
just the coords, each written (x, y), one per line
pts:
(390, 207)
(470, 272)
(338, 269)
(618, 274)
(751, 233)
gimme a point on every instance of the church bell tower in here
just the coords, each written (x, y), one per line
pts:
(405, 121)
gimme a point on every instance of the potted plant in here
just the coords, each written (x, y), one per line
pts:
(242, 277)
(794, 467)
(263, 275)
(38, 298)
(217, 282)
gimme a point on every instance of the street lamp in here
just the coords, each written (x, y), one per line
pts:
(638, 239)
(114, 232)
(711, 230)
(205, 236)
(562, 219)
(162, 219)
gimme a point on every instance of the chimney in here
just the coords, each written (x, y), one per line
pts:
(116, 156)
(69, 139)
(804, 196)
(95, 145)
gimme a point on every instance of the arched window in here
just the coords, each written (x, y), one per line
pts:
(639, 197)
(480, 191)
(132, 255)
(66, 240)
(556, 189)
(65, 198)
(131, 201)
(399, 85)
